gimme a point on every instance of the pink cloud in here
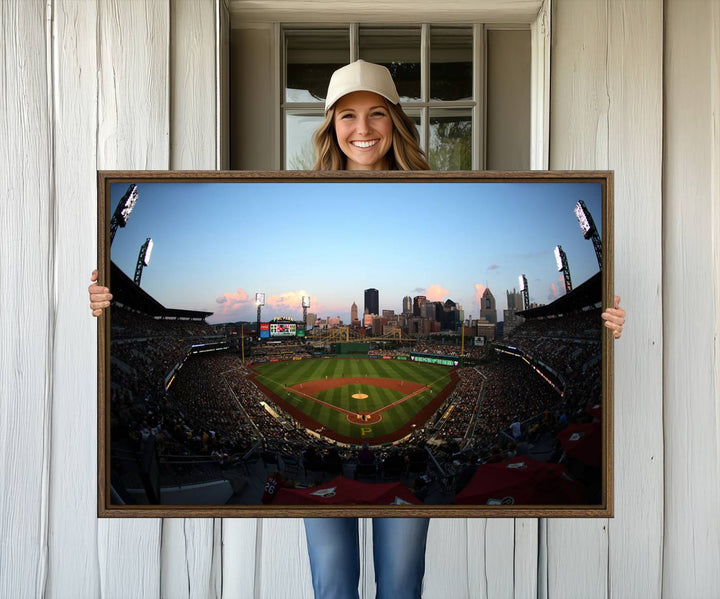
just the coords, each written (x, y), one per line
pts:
(289, 302)
(477, 298)
(231, 301)
(556, 290)
(435, 293)
(241, 305)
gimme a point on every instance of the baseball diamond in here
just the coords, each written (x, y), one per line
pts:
(357, 399)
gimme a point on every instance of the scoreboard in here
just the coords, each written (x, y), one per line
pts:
(284, 329)
(275, 330)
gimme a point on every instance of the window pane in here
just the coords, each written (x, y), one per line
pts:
(451, 56)
(311, 58)
(450, 145)
(299, 149)
(414, 115)
(398, 50)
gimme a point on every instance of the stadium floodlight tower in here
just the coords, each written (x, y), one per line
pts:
(123, 209)
(587, 225)
(562, 264)
(522, 279)
(260, 302)
(143, 260)
(305, 306)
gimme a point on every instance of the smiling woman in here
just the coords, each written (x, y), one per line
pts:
(363, 118)
(365, 128)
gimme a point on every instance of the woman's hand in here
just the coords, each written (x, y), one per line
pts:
(615, 318)
(99, 296)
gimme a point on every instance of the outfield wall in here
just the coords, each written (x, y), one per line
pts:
(359, 347)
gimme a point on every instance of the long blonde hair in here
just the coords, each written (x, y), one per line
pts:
(404, 155)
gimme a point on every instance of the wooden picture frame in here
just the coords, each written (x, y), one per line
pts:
(196, 417)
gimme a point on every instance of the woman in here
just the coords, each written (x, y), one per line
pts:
(365, 129)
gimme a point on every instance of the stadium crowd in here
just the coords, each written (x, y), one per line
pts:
(127, 323)
(284, 351)
(442, 349)
(213, 409)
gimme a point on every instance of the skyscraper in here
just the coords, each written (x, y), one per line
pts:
(510, 318)
(353, 313)
(450, 316)
(514, 300)
(407, 305)
(372, 301)
(488, 309)
(418, 301)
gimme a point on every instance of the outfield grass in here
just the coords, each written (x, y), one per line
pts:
(276, 375)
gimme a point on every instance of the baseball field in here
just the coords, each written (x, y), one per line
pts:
(357, 399)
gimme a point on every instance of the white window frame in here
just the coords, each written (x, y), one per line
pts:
(476, 106)
(537, 17)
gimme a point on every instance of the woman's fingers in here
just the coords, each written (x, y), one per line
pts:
(615, 318)
(99, 296)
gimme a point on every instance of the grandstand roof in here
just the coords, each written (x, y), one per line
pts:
(587, 294)
(126, 292)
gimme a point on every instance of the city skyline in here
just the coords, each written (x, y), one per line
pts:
(217, 244)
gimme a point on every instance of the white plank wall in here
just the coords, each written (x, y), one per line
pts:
(282, 566)
(635, 535)
(133, 131)
(73, 553)
(691, 325)
(133, 84)
(26, 302)
(606, 112)
(239, 558)
(577, 551)
(190, 568)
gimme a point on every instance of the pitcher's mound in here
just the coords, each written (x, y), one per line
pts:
(360, 396)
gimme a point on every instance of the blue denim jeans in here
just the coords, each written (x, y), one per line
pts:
(398, 553)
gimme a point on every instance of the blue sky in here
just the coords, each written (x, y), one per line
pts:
(217, 244)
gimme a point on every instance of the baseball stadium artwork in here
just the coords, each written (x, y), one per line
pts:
(355, 344)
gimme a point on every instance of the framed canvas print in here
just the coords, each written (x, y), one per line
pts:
(355, 344)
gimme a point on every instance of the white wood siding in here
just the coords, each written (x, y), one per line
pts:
(606, 112)
(635, 87)
(27, 315)
(73, 542)
(133, 133)
(190, 566)
(691, 325)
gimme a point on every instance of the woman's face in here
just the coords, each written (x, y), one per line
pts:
(364, 130)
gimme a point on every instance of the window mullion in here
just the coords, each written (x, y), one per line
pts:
(354, 41)
(280, 60)
(425, 86)
(479, 111)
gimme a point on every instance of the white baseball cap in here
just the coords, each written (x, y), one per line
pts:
(361, 76)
